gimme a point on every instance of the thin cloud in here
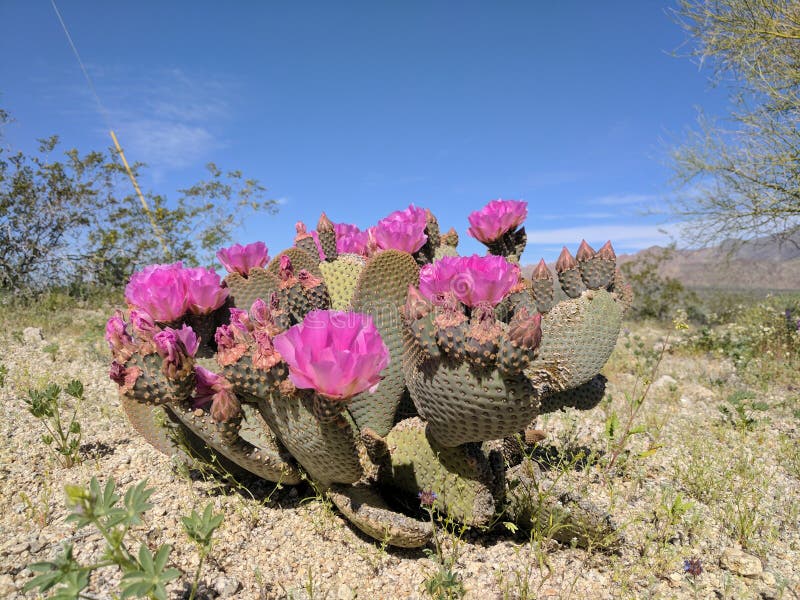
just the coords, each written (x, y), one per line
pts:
(624, 199)
(627, 237)
(167, 118)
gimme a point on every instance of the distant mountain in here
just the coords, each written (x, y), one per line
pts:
(759, 264)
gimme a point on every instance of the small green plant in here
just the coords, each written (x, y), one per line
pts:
(63, 437)
(200, 529)
(740, 410)
(145, 574)
(3, 374)
(52, 350)
(646, 368)
(445, 582)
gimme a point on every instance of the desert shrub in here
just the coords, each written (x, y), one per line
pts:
(761, 338)
(656, 296)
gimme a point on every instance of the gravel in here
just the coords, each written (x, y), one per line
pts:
(288, 544)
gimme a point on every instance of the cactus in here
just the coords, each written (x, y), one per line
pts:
(377, 362)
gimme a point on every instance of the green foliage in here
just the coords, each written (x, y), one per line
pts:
(740, 410)
(144, 574)
(63, 436)
(761, 338)
(64, 221)
(654, 295)
(740, 175)
(3, 374)
(445, 583)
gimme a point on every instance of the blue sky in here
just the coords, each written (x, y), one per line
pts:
(360, 108)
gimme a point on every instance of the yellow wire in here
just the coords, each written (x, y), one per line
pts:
(145, 207)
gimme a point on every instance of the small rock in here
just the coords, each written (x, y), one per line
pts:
(741, 563)
(227, 586)
(675, 580)
(18, 548)
(344, 592)
(6, 585)
(664, 381)
(32, 336)
(768, 578)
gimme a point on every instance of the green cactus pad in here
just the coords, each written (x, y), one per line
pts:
(578, 336)
(341, 278)
(326, 450)
(152, 386)
(365, 509)
(622, 289)
(443, 250)
(154, 424)
(308, 246)
(583, 397)
(571, 282)
(247, 380)
(464, 405)
(245, 290)
(266, 460)
(543, 294)
(550, 507)
(166, 433)
(300, 260)
(461, 477)
(295, 301)
(597, 272)
(382, 290)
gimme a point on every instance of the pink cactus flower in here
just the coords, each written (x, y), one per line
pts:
(240, 259)
(338, 354)
(159, 290)
(437, 279)
(144, 327)
(119, 340)
(216, 392)
(240, 321)
(176, 347)
(402, 230)
(350, 239)
(264, 355)
(496, 218)
(231, 344)
(205, 294)
(472, 279)
(124, 377)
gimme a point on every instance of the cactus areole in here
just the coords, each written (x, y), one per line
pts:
(378, 363)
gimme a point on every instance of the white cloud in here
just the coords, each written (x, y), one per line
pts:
(623, 237)
(624, 199)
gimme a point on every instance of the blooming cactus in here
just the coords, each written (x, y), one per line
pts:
(240, 259)
(215, 392)
(496, 218)
(160, 290)
(336, 353)
(402, 230)
(472, 279)
(476, 352)
(204, 292)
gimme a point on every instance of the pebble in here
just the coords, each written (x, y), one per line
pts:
(739, 562)
(227, 586)
(6, 585)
